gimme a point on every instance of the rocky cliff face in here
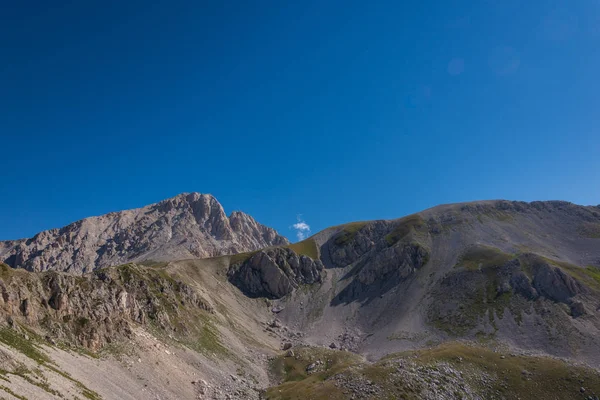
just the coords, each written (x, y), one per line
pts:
(521, 273)
(274, 273)
(98, 308)
(187, 226)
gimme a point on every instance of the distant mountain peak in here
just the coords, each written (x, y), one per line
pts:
(189, 225)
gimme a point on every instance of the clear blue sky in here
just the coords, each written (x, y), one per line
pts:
(336, 110)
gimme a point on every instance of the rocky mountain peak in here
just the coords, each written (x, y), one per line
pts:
(189, 225)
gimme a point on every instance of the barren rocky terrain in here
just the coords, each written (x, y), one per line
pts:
(483, 300)
(191, 225)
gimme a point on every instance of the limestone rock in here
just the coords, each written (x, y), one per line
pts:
(98, 308)
(190, 225)
(274, 273)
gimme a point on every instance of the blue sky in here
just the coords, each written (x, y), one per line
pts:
(336, 110)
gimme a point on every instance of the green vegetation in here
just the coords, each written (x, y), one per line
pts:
(508, 376)
(171, 310)
(240, 257)
(307, 247)
(473, 307)
(85, 391)
(593, 272)
(7, 390)
(523, 377)
(590, 230)
(209, 343)
(348, 233)
(498, 215)
(6, 272)
(204, 337)
(297, 383)
(481, 257)
(412, 223)
(30, 348)
(25, 346)
(589, 276)
(154, 264)
(480, 293)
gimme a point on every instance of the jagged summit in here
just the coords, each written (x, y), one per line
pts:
(188, 225)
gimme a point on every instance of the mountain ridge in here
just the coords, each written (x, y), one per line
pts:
(187, 225)
(493, 299)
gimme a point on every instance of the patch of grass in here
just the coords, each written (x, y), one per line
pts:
(590, 230)
(593, 272)
(117, 350)
(208, 340)
(507, 376)
(406, 225)
(42, 384)
(6, 272)
(297, 383)
(478, 293)
(498, 215)
(480, 256)
(27, 347)
(307, 247)
(589, 276)
(472, 309)
(154, 264)
(77, 349)
(544, 377)
(7, 390)
(240, 257)
(85, 391)
(348, 233)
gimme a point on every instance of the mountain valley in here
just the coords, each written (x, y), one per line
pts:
(481, 300)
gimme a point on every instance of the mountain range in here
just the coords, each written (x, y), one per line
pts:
(190, 225)
(481, 300)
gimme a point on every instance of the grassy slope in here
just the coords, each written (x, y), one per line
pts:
(30, 347)
(307, 247)
(508, 376)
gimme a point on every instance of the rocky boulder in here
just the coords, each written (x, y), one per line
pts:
(554, 284)
(353, 241)
(274, 273)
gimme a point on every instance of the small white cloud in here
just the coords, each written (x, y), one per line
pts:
(301, 227)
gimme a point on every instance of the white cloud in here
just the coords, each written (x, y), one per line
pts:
(301, 227)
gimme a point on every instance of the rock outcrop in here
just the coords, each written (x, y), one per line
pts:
(397, 262)
(274, 273)
(97, 308)
(190, 225)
